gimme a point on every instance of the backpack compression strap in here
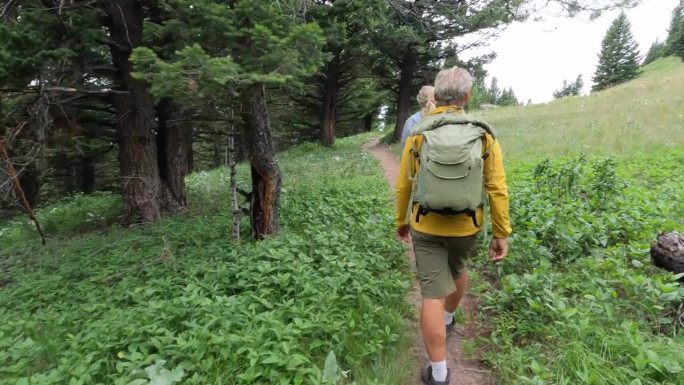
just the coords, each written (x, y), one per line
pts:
(414, 184)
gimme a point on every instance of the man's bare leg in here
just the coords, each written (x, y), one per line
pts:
(432, 328)
(454, 299)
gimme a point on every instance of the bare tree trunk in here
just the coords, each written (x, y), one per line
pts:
(368, 122)
(330, 101)
(87, 174)
(408, 68)
(216, 143)
(174, 143)
(7, 167)
(135, 117)
(232, 166)
(29, 179)
(266, 179)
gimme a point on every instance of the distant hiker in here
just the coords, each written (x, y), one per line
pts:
(450, 164)
(426, 101)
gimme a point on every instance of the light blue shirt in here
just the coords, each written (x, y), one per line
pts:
(408, 126)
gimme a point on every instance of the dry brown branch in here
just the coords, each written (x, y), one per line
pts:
(12, 173)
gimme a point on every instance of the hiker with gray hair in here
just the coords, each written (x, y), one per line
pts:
(451, 167)
(426, 102)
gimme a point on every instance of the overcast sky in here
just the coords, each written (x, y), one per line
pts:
(535, 56)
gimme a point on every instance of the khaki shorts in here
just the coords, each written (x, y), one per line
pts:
(440, 260)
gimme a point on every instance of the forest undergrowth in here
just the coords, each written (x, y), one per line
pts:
(180, 301)
(578, 300)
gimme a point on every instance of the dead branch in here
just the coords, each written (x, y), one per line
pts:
(11, 171)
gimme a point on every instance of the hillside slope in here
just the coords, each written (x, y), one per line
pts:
(640, 115)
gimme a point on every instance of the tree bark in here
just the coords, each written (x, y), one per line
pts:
(407, 69)
(232, 166)
(174, 144)
(135, 117)
(266, 179)
(29, 180)
(330, 101)
(368, 122)
(87, 174)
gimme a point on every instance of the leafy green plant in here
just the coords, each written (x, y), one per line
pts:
(179, 301)
(578, 300)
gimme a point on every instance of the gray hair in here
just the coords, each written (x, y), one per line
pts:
(452, 85)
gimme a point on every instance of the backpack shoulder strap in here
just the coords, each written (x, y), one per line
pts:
(431, 122)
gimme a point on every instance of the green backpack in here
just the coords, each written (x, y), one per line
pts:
(451, 176)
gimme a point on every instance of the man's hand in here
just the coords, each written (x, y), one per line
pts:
(403, 232)
(498, 249)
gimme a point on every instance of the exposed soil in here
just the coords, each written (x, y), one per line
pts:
(466, 369)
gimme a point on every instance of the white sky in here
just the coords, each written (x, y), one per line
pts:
(535, 56)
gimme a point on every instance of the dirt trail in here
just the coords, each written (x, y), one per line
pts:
(464, 370)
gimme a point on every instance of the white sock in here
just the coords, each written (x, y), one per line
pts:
(448, 317)
(439, 370)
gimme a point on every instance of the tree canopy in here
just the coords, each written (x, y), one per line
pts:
(131, 96)
(675, 40)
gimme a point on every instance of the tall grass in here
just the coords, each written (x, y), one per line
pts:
(643, 115)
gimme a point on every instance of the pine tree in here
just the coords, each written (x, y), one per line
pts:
(494, 92)
(478, 94)
(578, 85)
(675, 39)
(654, 53)
(570, 89)
(253, 45)
(563, 92)
(619, 57)
(508, 98)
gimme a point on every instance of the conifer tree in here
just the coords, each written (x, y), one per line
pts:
(570, 89)
(478, 95)
(251, 45)
(508, 98)
(654, 53)
(494, 92)
(578, 85)
(675, 39)
(619, 57)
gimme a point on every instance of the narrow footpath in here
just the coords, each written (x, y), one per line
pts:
(465, 370)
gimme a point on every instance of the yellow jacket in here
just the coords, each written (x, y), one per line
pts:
(459, 225)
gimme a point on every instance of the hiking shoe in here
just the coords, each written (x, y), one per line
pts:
(450, 326)
(427, 378)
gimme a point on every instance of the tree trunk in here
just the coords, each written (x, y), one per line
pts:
(232, 166)
(174, 143)
(266, 179)
(330, 101)
(135, 117)
(216, 143)
(29, 180)
(87, 174)
(407, 68)
(368, 122)
(190, 155)
(668, 252)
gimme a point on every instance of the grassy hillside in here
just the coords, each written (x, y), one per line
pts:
(642, 115)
